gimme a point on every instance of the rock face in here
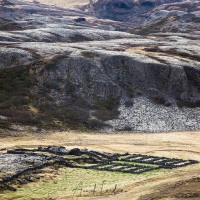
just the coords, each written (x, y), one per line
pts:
(155, 16)
(125, 10)
(59, 71)
(124, 74)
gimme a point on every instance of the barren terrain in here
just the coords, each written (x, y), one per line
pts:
(63, 3)
(158, 184)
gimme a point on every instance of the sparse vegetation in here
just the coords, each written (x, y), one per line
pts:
(17, 97)
(15, 87)
(89, 54)
(107, 108)
(18, 101)
(96, 124)
(16, 93)
(64, 183)
(155, 27)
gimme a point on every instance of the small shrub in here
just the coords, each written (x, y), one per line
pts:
(3, 96)
(108, 104)
(159, 100)
(127, 128)
(96, 124)
(15, 101)
(181, 103)
(106, 109)
(128, 103)
(89, 54)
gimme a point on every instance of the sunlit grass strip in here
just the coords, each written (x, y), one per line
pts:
(69, 179)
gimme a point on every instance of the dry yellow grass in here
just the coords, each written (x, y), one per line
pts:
(63, 3)
(183, 145)
(166, 144)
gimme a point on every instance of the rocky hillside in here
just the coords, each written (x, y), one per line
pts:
(151, 16)
(65, 68)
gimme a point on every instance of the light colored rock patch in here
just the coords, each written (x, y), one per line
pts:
(145, 116)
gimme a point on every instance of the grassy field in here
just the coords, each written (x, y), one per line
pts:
(60, 183)
(68, 183)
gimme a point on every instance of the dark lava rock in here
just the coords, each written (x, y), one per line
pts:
(22, 181)
(80, 19)
(58, 150)
(75, 151)
(123, 10)
(54, 150)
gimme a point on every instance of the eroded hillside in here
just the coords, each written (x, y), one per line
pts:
(63, 68)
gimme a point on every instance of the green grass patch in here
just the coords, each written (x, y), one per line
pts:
(69, 179)
(137, 163)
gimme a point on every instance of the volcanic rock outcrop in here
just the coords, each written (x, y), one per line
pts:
(150, 15)
(125, 10)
